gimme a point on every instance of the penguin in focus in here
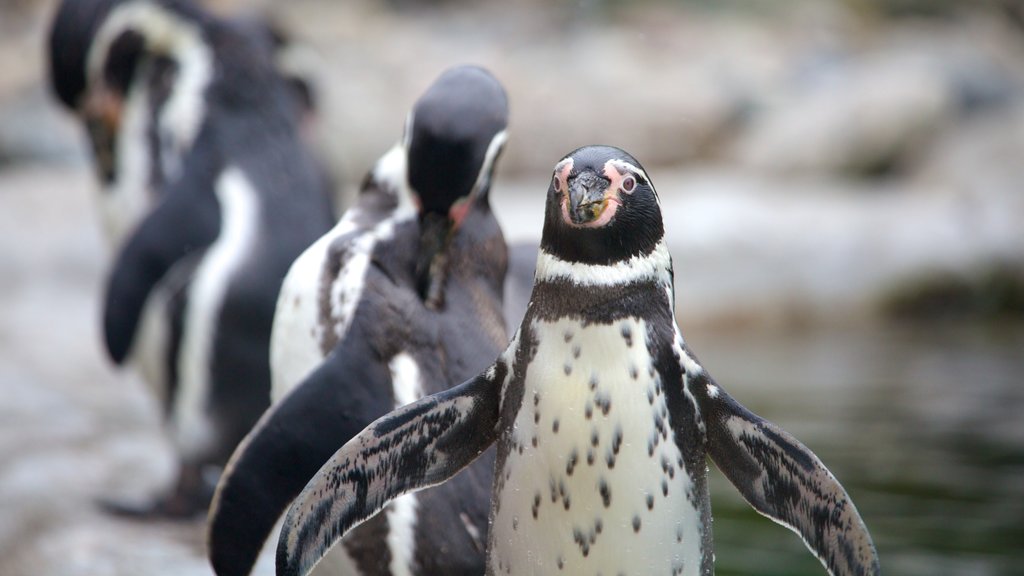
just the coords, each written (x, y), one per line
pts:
(364, 324)
(602, 417)
(210, 195)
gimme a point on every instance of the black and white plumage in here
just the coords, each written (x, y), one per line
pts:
(402, 298)
(209, 196)
(140, 98)
(601, 415)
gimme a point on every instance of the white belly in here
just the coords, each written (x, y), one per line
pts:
(592, 485)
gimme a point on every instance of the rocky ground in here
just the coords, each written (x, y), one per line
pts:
(817, 166)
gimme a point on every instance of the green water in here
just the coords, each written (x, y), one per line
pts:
(923, 425)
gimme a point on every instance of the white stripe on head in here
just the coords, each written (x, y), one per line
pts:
(493, 149)
(166, 33)
(656, 266)
(622, 166)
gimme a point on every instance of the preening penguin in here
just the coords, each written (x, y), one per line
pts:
(138, 84)
(210, 196)
(601, 414)
(402, 298)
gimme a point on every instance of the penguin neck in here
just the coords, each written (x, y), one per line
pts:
(639, 286)
(470, 270)
(432, 258)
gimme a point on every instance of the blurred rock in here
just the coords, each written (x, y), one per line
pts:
(869, 110)
(33, 129)
(862, 117)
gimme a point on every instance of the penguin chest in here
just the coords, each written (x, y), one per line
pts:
(592, 480)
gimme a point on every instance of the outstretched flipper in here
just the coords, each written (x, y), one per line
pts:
(417, 446)
(186, 220)
(783, 480)
(285, 449)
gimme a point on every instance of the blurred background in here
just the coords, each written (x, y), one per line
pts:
(843, 188)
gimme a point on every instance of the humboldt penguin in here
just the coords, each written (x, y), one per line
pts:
(402, 298)
(210, 195)
(136, 103)
(602, 416)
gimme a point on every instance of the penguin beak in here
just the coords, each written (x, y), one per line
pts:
(102, 112)
(432, 257)
(587, 199)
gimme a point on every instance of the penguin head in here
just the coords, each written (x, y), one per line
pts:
(601, 208)
(72, 33)
(454, 135)
(101, 50)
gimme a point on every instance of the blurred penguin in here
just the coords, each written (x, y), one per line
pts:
(209, 195)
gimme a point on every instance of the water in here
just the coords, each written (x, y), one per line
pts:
(923, 425)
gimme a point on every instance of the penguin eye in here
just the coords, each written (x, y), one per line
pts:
(556, 183)
(628, 184)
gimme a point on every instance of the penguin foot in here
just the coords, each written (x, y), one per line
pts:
(188, 499)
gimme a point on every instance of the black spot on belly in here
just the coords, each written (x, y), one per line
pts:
(567, 368)
(606, 492)
(581, 540)
(598, 525)
(561, 563)
(567, 335)
(594, 438)
(536, 505)
(650, 501)
(627, 335)
(636, 523)
(593, 381)
(534, 440)
(633, 372)
(590, 457)
(570, 466)
(588, 409)
(576, 351)
(554, 426)
(664, 487)
(617, 439)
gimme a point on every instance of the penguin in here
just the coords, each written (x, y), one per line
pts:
(135, 105)
(603, 418)
(211, 194)
(362, 327)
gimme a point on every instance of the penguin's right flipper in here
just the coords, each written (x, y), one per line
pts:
(186, 220)
(291, 441)
(417, 446)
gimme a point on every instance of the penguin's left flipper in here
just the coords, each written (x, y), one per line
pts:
(783, 480)
(186, 220)
(417, 446)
